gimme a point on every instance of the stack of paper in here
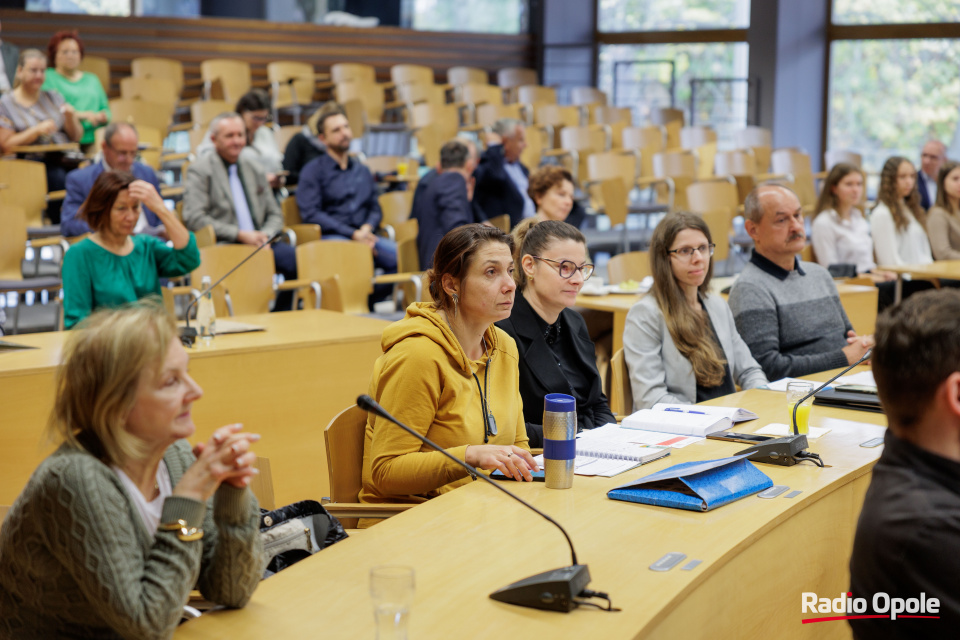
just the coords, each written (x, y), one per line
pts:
(735, 414)
(693, 422)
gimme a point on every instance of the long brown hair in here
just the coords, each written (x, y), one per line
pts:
(687, 327)
(828, 199)
(942, 200)
(533, 237)
(888, 194)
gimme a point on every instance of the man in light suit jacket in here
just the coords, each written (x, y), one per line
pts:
(118, 153)
(214, 183)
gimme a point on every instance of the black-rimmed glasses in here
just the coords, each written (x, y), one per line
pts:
(566, 268)
(687, 252)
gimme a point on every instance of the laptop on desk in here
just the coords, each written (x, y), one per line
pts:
(848, 400)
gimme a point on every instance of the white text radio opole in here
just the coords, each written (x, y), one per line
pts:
(882, 603)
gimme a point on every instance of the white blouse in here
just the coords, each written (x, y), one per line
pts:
(150, 511)
(896, 247)
(839, 241)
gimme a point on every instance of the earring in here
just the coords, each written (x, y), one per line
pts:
(456, 305)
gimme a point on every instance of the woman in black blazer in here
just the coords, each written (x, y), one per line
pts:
(556, 353)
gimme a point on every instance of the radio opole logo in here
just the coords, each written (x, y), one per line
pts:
(880, 606)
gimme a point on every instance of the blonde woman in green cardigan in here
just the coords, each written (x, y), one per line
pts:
(116, 527)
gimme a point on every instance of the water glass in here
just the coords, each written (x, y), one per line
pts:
(391, 588)
(796, 391)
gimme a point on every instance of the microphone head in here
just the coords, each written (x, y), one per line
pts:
(367, 403)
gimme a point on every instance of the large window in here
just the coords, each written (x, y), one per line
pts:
(895, 11)
(672, 15)
(887, 97)
(484, 16)
(180, 8)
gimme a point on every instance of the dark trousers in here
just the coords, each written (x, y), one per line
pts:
(285, 262)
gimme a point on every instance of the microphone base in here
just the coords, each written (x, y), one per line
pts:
(781, 451)
(188, 336)
(551, 591)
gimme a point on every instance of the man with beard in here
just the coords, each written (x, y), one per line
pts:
(787, 311)
(338, 193)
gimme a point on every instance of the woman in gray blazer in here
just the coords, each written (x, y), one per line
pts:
(680, 343)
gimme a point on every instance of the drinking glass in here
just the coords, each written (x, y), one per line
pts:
(391, 588)
(796, 391)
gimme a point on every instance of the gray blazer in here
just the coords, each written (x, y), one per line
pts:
(207, 198)
(660, 373)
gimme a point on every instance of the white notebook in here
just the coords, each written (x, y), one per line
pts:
(684, 423)
(735, 414)
(609, 450)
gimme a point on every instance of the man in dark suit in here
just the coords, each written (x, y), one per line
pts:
(502, 180)
(444, 202)
(10, 57)
(118, 153)
(231, 192)
(932, 157)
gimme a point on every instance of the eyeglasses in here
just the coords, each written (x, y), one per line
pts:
(567, 268)
(687, 252)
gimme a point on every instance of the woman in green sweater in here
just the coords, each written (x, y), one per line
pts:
(116, 527)
(113, 266)
(80, 89)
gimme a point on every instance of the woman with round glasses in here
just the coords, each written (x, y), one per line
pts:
(680, 343)
(556, 353)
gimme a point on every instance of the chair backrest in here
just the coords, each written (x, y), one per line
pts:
(159, 90)
(612, 164)
(281, 72)
(343, 439)
(369, 95)
(614, 194)
(488, 114)
(675, 164)
(557, 116)
(99, 67)
(234, 76)
(202, 112)
(738, 162)
(306, 232)
(26, 182)
(587, 95)
(694, 137)
(283, 135)
(262, 484)
(634, 265)
(602, 114)
(753, 137)
(649, 137)
(666, 115)
(411, 74)
(621, 393)
(353, 72)
(356, 117)
(396, 206)
(720, 223)
(167, 68)
(477, 94)
(291, 212)
(12, 241)
(352, 262)
(705, 156)
(589, 139)
(445, 118)
(710, 195)
(537, 141)
(250, 288)
(419, 92)
(458, 76)
(205, 237)
(833, 157)
(501, 222)
(510, 77)
(797, 164)
(141, 113)
(535, 94)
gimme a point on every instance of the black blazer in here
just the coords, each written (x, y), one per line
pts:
(540, 374)
(439, 206)
(922, 181)
(495, 192)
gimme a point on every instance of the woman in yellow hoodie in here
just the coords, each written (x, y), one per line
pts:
(449, 373)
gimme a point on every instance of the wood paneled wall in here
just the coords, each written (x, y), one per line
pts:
(259, 42)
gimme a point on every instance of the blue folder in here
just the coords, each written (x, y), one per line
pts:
(696, 486)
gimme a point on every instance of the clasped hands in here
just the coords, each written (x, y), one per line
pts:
(225, 458)
(512, 461)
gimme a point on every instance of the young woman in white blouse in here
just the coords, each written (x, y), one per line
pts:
(898, 222)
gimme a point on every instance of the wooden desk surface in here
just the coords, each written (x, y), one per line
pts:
(758, 555)
(937, 269)
(45, 148)
(285, 383)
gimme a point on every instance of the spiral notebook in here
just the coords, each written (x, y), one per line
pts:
(605, 452)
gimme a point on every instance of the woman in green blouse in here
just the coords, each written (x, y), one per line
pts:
(80, 89)
(113, 266)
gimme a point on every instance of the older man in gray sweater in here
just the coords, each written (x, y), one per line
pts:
(787, 311)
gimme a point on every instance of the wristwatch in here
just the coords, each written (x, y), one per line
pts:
(184, 533)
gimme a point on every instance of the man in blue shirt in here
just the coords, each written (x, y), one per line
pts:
(338, 193)
(118, 153)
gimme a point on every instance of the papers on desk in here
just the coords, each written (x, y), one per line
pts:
(232, 326)
(781, 384)
(691, 422)
(736, 415)
(779, 429)
(12, 346)
(863, 378)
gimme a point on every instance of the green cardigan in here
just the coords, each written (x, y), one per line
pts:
(76, 559)
(86, 94)
(94, 277)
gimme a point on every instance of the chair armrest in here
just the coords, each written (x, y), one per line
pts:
(56, 195)
(171, 192)
(173, 157)
(550, 153)
(763, 177)
(400, 278)
(180, 126)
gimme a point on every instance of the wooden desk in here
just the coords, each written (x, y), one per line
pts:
(859, 301)
(758, 555)
(286, 383)
(45, 148)
(949, 269)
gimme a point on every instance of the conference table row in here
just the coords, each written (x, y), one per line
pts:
(757, 555)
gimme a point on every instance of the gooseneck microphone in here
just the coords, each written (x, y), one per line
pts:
(554, 590)
(188, 334)
(792, 449)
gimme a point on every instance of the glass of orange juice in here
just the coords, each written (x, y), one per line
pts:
(796, 391)
(402, 168)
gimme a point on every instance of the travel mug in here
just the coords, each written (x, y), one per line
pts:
(559, 440)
